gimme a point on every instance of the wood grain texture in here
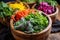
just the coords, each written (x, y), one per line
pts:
(54, 36)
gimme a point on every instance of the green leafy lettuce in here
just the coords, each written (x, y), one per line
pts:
(29, 1)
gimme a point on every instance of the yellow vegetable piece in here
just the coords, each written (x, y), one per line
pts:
(19, 6)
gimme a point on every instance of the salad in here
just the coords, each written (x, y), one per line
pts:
(29, 22)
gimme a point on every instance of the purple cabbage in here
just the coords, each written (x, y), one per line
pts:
(46, 8)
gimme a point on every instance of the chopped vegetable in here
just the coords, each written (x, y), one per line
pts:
(45, 7)
(32, 23)
(22, 13)
(19, 6)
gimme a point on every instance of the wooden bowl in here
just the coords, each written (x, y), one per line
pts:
(53, 16)
(43, 35)
(31, 4)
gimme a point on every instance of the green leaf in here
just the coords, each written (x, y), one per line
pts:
(29, 1)
(5, 10)
(4, 4)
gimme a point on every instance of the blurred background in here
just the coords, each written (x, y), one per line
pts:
(6, 35)
(14, 0)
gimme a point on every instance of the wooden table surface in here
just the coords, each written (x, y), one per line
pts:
(55, 36)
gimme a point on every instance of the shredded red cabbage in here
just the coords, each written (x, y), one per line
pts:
(46, 8)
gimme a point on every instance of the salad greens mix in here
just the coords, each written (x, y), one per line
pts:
(5, 10)
(29, 1)
(33, 23)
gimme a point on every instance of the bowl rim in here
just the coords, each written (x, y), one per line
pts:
(54, 12)
(43, 31)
